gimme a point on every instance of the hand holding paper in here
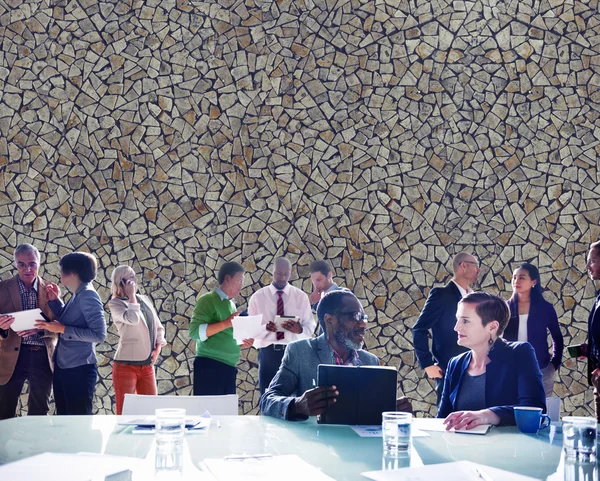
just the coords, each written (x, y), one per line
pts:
(246, 327)
(25, 320)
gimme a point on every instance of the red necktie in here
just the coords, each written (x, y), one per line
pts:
(280, 311)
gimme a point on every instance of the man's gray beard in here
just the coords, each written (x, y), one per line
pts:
(347, 343)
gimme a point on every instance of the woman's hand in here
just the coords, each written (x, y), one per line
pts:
(247, 343)
(470, 419)
(53, 326)
(52, 291)
(129, 288)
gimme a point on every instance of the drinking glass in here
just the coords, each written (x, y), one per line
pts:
(170, 428)
(579, 437)
(396, 431)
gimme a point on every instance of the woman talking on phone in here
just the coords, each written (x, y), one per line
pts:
(141, 337)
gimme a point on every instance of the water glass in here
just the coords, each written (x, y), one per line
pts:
(396, 431)
(579, 437)
(397, 460)
(170, 428)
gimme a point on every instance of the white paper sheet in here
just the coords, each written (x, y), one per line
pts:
(264, 468)
(459, 471)
(437, 424)
(246, 327)
(365, 431)
(67, 467)
(25, 320)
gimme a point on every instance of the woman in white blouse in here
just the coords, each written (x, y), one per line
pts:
(141, 336)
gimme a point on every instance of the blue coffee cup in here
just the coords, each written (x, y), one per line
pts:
(530, 419)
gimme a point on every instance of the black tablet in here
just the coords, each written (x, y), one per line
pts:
(365, 393)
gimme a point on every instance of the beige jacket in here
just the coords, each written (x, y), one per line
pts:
(134, 341)
(10, 342)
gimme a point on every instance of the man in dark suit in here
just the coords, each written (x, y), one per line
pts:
(593, 351)
(25, 355)
(439, 317)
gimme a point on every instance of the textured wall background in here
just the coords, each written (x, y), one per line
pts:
(384, 135)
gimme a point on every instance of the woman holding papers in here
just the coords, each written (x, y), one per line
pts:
(80, 324)
(141, 337)
(531, 318)
(482, 385)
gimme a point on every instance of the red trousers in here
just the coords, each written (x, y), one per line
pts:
(128, 379)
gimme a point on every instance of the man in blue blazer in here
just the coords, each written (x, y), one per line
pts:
(439, 317)
(293, 394)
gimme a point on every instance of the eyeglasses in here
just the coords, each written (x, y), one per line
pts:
(354, 316)
(471, 262)
(31, 265)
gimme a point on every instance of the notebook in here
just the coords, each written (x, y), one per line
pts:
(365, 393)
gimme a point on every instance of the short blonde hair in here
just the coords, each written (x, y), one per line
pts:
(117, 276)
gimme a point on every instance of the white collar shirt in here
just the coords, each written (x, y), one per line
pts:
(295, 303)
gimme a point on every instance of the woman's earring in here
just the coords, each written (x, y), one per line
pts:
(491, 341)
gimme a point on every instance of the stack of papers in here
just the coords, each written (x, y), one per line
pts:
(264, 467)
(146, 424)
(25, 320)
(459, 471)
(67, 467)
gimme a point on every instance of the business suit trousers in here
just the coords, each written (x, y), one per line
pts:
(33, 366)
(213, 378)
(74, 389)
(130, 379)
(269, 360)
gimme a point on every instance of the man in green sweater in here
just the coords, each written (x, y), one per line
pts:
(217, 352)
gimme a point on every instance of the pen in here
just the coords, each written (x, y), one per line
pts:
(482, 474)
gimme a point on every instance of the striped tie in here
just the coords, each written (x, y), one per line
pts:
(280, 312)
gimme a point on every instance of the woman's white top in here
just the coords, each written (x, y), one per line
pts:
(522, 337)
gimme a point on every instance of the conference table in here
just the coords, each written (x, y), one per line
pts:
(336, 450)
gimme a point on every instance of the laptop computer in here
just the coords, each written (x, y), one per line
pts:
(365, 393)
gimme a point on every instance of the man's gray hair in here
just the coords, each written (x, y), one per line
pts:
(459, 259)
(25, 249)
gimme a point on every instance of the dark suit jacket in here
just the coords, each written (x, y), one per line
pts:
(513, 378)
(298, 372)
(439, 316)
(10, 341)
(593, 339)
(542, 318)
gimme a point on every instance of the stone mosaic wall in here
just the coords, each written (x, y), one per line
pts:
(384, 135)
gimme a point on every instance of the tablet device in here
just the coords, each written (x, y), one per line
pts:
(365, 393)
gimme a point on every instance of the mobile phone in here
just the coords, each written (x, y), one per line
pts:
(578, 350)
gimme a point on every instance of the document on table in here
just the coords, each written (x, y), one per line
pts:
(263, 467)
(68, 467)
(146, 424)
(365, 431)
(25, 320)
(458, 471)
(246, 327)
(437, 424)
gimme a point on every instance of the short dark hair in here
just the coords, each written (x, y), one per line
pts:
(230, 269)
(83, 264)
(330, 304)
(321, 266)
(490, 308)
(595, 246)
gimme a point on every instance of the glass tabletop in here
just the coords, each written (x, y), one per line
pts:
(337, 450)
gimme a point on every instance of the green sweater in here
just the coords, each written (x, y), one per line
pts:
(222, 347)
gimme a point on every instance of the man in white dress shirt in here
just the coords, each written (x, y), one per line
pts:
(279, 299)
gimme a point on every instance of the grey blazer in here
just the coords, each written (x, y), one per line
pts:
(298, 373)
(83, 318)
